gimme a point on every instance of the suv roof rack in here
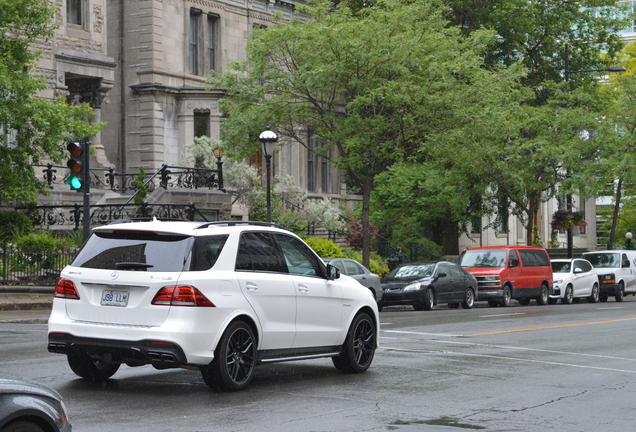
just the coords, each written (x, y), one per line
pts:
(148, 219)
(236, 223)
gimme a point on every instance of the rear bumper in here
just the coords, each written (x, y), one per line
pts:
(195, 331)
(161, 354)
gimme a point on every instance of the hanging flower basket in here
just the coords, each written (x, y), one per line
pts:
(563, 219)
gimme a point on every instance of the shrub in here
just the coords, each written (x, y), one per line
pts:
(12, 225)
(325, 248)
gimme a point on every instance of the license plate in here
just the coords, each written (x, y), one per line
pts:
(114, 298)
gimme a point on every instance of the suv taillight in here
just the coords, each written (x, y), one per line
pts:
(181, 295)
(65, 289)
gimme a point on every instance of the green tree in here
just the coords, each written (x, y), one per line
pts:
(387, 84)
(31, 128)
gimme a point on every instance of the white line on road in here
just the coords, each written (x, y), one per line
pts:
(533, 349)
(499, 315)
(510, 358)
(385, 323)
(421, 333)
(610, 308)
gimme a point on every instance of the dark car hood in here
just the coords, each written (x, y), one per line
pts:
(15, 385)
(401, 284)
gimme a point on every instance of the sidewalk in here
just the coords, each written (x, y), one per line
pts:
(19, 305)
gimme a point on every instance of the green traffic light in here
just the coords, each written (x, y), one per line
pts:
(74, 182)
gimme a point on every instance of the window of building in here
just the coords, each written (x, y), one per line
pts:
(213, 24)
(325, 175)
(502, 216)
(629, 7)
(201, 123)
(581, 210)
(193, 41)
(74, 11)
(475, 219)
(311, 163)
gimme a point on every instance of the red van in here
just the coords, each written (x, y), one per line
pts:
(510, 272)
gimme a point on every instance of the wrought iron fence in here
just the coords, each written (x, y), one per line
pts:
(64, 215)
(25, 267)
(169, 177)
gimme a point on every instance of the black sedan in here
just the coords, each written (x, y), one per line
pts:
(26, 406)
(423, 285)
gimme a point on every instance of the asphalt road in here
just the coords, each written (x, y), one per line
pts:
(533, 368)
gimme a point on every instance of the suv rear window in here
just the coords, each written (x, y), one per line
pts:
(136, 251)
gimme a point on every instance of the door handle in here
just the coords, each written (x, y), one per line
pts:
(251, 287)
(303, 289)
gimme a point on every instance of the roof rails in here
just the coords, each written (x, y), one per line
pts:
(148, 219)
(237, 223)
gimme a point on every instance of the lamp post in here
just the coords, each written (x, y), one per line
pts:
(628, 241)
(567, 72)
(269, 140)
(218, 154)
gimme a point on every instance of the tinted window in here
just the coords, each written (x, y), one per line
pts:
(353, 268)
(579, 265)
(410, 272)
(454, 271)
(603, 260)
(135, 251)
(484, 258)
(259, 252)
(586, 266)
(561, 266)
(625, 261)
(299, 258)
(513, 259)
(533, 258)
(205, 251)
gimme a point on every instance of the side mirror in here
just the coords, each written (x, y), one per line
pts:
(578, 270)
(441, 275)
(332, 272)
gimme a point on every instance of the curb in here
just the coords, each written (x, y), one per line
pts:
(25, 306)
(18, 289)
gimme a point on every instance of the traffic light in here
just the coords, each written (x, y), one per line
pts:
(75, 164)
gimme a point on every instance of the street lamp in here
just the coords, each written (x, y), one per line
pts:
(567, 73)
(269, 140)
(628, 240)
(218, 153)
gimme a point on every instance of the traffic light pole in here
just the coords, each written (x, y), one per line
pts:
(86, 220)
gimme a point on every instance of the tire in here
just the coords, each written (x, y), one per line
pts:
(429, 299)
(543, 297)
(620, 292)
(22, 426)
(453, 305)
(469, 299)
(568, 296)
(359, 347)
(493, 303)
(594, 297)
(524, 301)
(91, 369)
(507, 296)
(234, 359)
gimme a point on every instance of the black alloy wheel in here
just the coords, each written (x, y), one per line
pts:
(543, 298)
(234, 359)
(568, 296)
(594, 297)
(359, 347)
(469, 299)
(93, 368)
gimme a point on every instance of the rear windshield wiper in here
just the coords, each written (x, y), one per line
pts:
(133, 264)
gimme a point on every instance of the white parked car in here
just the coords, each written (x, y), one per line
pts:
(616, 271)
(222, 297)
(574, 279)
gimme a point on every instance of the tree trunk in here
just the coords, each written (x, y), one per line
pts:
(366, 231)
(533, 206)
(617, 207)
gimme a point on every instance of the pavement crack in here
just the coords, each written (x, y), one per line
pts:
(550, 401)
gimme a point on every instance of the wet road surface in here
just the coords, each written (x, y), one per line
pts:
(532, 368)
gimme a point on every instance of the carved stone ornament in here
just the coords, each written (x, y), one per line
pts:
(98, 15)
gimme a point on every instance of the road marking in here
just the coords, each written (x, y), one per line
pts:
(550, 327)
(385, 323)
(421, 333)
(510, 358)
(532, 349)
(611, 308)
(505, 314)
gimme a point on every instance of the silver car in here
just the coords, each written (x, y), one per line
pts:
(26, 406)
(359, 272)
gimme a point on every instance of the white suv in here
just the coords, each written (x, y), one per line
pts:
(220, 296)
